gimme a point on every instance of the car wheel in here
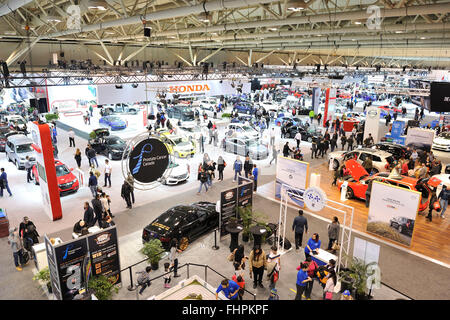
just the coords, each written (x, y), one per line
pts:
(109, 155)
(349, 194)
(184, 242)
(335, 164)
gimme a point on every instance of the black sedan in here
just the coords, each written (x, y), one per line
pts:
(112, 147)
(398, 151)
(184, 223)
(403, 225)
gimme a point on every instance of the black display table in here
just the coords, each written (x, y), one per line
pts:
(234, 229)
(258, 232)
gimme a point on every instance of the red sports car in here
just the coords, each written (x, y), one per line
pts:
(358, 181)
(390, 108)
(67, 182)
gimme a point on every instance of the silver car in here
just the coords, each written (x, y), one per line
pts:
(17, 148)
(243, 146)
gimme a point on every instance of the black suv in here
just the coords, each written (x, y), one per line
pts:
(112, 147)
(403, 225)
(398, 151)
(180, 112)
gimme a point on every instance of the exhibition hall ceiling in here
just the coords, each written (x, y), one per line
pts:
(334, 32)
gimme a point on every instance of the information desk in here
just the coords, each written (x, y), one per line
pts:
(40, 254)
(323, 257)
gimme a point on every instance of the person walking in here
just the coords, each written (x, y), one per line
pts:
(125, 193)
(272, 137)
(130, 181)
(28, 167)
(311, 116)
(274, 154)
(255, 177)
(220, 167)
(16, 247)
(333, 141)
(273, 266)
(299, 225)
(105, 200)
(343, 141)
(143, 279)
(4, 182)
(333, 232)
(107, 172)
(302, 280)
(173, 256)
(443, 200)
(98, 209)
(257, 262)
(92, 183)
(237, 167)
(71, 138)
(77, 157)
(298, 138)
(92, 156)
(319, 116)
(203, 180)
(248, 166)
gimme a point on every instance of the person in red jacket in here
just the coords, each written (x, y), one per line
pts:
(312, 268)
(405, 167)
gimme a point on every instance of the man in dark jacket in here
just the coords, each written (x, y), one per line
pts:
(88, 215)
(343, 141)
(286, 150)
(350, 143)
(314, 148)
(300, 223)
(443, 197)
(125, 193)
(92, 183)
(368, 191)
(92, 155)
(248, 166)
(98, 209)
(79, 226)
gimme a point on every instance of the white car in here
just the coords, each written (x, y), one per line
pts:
(442, 142)
(178, 173)
(269, 105)
(190, 131)
(380, 159)
(241, 129)
(16, 118)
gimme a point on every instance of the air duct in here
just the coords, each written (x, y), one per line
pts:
(12, 5)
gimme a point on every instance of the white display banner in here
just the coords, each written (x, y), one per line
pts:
(372, 124)
(69, 98)
(292, 173)
(109, 94)
(365, 250)
(392, 212)
(420, 138)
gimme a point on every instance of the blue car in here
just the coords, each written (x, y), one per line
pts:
(242, 119)
(243, 107)
(115, 123)
(283, 119)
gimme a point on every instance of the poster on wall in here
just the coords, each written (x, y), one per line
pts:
(104, 254)
(293, 174)
(228, 202)
(372, 124)
(392, 212)
(316, 100)
(71, 99)
(420, 138)
(245, 195)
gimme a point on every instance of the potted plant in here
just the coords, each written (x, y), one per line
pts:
(356, 277)
(246, 215)
(153, 250)
(44, 275)
(102, 288)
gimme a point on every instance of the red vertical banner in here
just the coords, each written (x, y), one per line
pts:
(327, 101)
(145, 119)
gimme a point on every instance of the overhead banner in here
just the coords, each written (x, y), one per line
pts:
(293, 174)
(228, 202)
(330, 105)
(372, 123)
(420, 138)
(392, 212)
(109, 94)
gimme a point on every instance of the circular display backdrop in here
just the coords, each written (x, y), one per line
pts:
(149, 160)
(315, 199)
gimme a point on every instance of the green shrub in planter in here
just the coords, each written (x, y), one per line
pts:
(102, 288)
(44, 275)
(51, 116)
(153, 249)
(226, 115)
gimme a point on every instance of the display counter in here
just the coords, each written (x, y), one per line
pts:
(323, 257)
(40, 254)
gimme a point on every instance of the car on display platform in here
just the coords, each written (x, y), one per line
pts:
(291, 131)
(358, 181)
(397, 150)
(403, 225)
(244, 145)
(184, 223)
(442, 142)
(178, 173)
(242, 119)
(118, 108)
(67, 182)
(380, 159)
(17, 148)
(282, 119)
(180, 112)
(206, 109)
(190, 131)
(241, 129)
(113, 122)
(15, 118)
(179, 146)
(112, 147)
(244, 107)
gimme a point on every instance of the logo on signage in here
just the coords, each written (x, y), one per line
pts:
(139, 157)
(102, 239)
(190, 88)
(229, 195)
(372, 113)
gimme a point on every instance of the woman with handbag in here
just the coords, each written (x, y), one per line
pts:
(329, 286)
(273, 266)
(333, 232)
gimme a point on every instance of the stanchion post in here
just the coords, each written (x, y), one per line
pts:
(131, 287)
(188, 270)
(215, 246)
(206, 273)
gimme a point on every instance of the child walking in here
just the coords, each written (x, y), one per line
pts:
(167, 277)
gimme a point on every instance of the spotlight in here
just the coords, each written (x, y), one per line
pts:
(147, 31)
(135, 85)
(119, 86)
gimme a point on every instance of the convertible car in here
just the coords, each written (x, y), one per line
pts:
(184, 223)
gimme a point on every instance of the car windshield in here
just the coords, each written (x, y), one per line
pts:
(115, 141)
(61, 170)
(251, 143)
(114, 119)
(187, 114)
(445, 135)
(22, 148)
(173, 165)
(247, 128)
(169, 218)
(191, 129)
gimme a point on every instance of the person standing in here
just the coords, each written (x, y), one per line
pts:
(367, 163)
(333, 232)
(343, 141)
(255, 177)
(4, 182)
(16, 247)
(368, 191)
(28, 234)
(54, 134)
(201, 143)
(130, 181)
(78, 157)
(298, 138)
(257, 262)
(92, 155)
(333, 141)
(105, 200)
(98, 209)
(248, 166)
(220, 167)
(302, 280)
(92, 183)
(311, 116)
(312, 268)
(329, 286)
(350, 143)
(274, 260)
(28, 167)
(71, 138)
(91, 110)
(272, 137)
(319, 116)
(300, 223)
(237, 167)
(286, 150)
(173, 256)
(107, 172)
(443, 200)
(88, 215)
(125, 193)
(216, 136)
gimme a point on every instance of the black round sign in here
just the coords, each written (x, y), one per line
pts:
(149, 160)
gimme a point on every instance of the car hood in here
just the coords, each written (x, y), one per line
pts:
(337, 154)
(66, 178)
(118, 146)
(356, 170)
(178, 170)
(442, 141)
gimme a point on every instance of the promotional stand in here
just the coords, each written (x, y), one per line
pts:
(330, 102)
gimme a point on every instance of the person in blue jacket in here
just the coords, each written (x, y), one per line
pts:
(237, 167)
(230, 289)
(4, 182)
(312, 245)
(302, 280)
(255, 177)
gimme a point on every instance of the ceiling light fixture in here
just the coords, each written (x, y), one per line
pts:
(399, 31)
(204, 17)
(296, 5)
(97, 4)
(53, 19)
